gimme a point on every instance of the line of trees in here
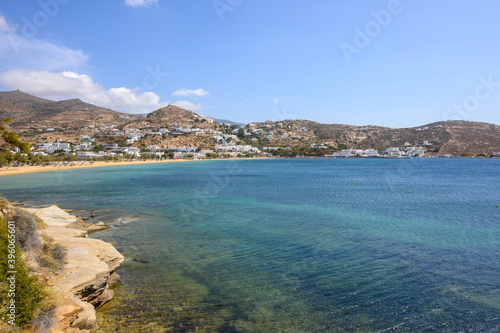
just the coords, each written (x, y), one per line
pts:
(7, 158)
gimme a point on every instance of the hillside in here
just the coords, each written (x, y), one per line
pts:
(32, 116)
(41, 120)
(446, 137)
(171, 114)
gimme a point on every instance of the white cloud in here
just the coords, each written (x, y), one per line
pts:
(276, 100)
(64, 85)
(140, 3)
(19, 52)
(6, 26)
(188, 105)
(20, 49)
(190, 93)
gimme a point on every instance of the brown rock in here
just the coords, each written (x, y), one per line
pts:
(90, 268)
(96, 227)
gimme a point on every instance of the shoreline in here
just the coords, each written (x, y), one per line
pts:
(84, 283)
(18, 170)
(11, 171)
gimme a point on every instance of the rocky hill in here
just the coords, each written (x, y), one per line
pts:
(25, 109)
(446, 137)
(169, 115)
(41, 120)
(34, 118)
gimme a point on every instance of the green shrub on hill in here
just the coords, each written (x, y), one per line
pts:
(35, 303)
(29, 292)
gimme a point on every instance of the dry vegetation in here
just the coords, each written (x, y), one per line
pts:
(37, 261)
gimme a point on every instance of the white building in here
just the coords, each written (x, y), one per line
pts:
(237, 148)
(182, 149)
(62, 145)
(85, 154)
(83, 146)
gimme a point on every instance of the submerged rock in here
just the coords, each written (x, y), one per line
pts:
(142, 259)
(96, 227)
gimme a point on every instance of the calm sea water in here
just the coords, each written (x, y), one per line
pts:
(299, 245)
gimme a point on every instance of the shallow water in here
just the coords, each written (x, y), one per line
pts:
(293, 245)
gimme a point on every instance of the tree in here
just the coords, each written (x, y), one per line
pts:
(21, 158)
(3, 159)
(97, 148)
(212, 155)
(13, 139)
(35, 159)
(241, 133)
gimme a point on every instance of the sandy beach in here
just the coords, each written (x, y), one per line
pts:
(10, 171)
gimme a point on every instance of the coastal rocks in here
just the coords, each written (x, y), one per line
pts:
(59, 233)
(90, 269)
(74, 316)
(90, 262)
(81, 225)
(97, 227)
(54, 216)
(86, 318)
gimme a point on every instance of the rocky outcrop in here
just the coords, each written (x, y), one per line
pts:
(90, 269)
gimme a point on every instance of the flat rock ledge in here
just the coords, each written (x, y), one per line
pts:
(90, 269)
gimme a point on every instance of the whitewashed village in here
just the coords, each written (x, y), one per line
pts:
(239, 141)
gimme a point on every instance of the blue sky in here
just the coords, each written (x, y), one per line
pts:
(396, 63)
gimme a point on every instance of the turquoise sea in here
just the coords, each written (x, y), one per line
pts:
(293, 245)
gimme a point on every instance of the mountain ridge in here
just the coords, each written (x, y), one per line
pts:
(41, 120)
